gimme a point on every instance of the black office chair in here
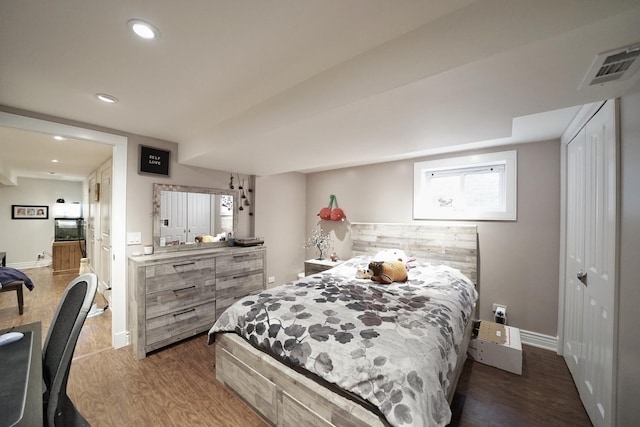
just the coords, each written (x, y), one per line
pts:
(58, 350)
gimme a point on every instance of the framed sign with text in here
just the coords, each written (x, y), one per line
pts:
(154, 160)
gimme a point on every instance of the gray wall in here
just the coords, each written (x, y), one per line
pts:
(140, 187)
(628, 387)
(519, 261)
(23, 240)
(280, 220)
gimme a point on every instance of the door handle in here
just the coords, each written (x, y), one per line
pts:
(582, 276)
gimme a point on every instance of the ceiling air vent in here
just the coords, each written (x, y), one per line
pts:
(614, 65)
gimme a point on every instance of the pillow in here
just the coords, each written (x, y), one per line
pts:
(389, 255)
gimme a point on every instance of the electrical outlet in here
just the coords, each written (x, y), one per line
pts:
(496, 305)
(500, 313)
(134, 238)
(271, 279)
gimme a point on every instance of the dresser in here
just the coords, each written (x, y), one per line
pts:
(175, 295)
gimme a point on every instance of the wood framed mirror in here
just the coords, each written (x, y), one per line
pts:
(181, 213)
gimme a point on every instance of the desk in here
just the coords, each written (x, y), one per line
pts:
(21, 368)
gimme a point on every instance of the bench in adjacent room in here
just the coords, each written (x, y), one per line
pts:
(15, 286)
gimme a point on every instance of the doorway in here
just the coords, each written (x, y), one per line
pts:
(118, 207)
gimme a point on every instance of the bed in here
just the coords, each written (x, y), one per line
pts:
(331, 349)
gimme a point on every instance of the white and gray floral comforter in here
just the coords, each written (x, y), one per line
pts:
(393, 345)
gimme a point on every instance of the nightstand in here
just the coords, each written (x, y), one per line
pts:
(314, 266)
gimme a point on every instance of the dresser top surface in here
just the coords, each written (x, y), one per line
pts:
(143, 260)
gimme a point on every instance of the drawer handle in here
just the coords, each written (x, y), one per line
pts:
(180, 313)
(242, 257)
(184, 264)
(175, 291)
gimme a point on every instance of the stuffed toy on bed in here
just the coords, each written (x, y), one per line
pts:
(395, 255)
(388, 271)
(363, 273)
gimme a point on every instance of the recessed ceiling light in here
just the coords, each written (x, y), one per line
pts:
(143, 29)
(54, 161)
(106, 98)
(58, 138)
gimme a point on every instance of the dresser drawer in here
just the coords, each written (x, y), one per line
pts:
(197, 318)
(179, 274)
(240, 264)
(230, 289)
(177, 299)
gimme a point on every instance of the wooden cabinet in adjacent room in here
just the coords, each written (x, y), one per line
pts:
(175, 295)
(66, 257)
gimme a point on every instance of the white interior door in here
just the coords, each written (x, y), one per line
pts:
(104, 274)
(91, 223)
(590, 284)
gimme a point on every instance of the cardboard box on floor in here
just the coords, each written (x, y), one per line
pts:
(497, 345)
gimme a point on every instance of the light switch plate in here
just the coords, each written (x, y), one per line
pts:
(134, 238)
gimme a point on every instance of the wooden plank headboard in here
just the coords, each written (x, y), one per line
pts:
(452, 245)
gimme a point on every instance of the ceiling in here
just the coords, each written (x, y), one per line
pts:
(37, 155)
(265, 87)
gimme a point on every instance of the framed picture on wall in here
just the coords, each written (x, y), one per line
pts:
(29, 212)
(154, 161)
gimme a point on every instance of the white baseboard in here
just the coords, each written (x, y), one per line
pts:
(29, 264)
(535, 339)
(121, 339)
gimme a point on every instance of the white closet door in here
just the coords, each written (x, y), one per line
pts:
(199, 215)
(173, 216)
(600, 256)
(590, 284)
(575, 229)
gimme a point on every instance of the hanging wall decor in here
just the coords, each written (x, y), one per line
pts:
(245, 190)
(331, 213)
(29, 212)
(153, 160)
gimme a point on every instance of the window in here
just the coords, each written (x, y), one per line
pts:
(471, 188)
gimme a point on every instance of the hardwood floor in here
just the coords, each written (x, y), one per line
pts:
(176, 386)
